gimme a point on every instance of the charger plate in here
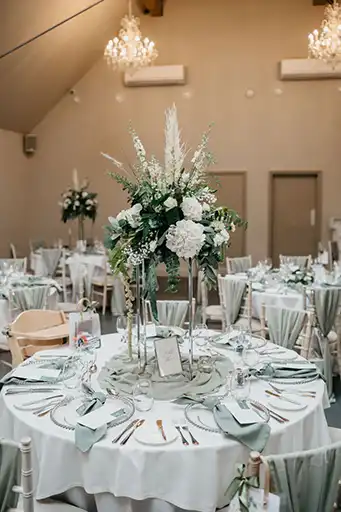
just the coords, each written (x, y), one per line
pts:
(65, 415)
(202, 417)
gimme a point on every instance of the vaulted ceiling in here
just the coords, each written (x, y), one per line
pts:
(36, 76)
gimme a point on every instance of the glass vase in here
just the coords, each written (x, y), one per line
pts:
(190, 315)
(81, 227)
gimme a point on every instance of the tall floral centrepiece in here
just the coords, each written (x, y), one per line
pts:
(78, 203)
(172, 214)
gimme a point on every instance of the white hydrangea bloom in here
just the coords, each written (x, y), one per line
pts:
(186, 238)
(191, 208)
(221, 238)
(84, 194)
(170, 203)
(233, 227)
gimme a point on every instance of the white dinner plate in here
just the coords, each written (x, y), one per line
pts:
(283, 405)
(149, 434)
(288, 355)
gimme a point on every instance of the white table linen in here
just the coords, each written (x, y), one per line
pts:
(193, 478)
(272, 296)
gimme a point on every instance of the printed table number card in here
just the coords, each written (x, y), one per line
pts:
(168, 356)
(256, 502)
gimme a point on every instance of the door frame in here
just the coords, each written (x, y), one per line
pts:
(243, 214)
(315, 174)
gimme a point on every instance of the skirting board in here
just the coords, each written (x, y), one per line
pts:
(156, 75)
(307, 69)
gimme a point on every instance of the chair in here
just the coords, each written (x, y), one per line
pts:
(236, 265)
(289, 328)
(172, 313)
(16, 481)
(13, 251)
(23, 298)
(333, 253)
(236, 301)
(100, 285)
(299, 261)
(36, 330)
(212, 312)
(306, 481)
(50, 259)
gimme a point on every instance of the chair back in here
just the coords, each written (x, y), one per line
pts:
(300, 261)
(304, 481)
(23, 298)
(333, 253)
(289, 328)
(13, 251)
(235, 299)
(171, 313)
(36, 330)
(236, 265)
(50, 258)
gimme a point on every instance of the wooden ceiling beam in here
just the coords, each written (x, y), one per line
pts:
(152, 7)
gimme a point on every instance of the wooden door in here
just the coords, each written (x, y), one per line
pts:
(295, 214)
(231, 192)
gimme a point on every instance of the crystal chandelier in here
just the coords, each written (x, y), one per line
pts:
(326, 43)
(128, 51)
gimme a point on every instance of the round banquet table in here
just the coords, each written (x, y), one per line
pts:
(271, 296)
(173, 477)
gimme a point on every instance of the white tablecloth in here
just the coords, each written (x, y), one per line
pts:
(193, 478)
(291, 299)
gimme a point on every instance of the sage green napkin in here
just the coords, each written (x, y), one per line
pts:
(9, 380)
(86, 437)
(287, 372)
(253, 435)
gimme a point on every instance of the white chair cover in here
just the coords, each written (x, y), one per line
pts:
(50, 259)
(285, 325)
(307, 481)
(299, 261)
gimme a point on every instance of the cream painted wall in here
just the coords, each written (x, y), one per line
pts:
(15, 201)
(228, 47)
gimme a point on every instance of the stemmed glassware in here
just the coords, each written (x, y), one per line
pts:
(143, 395)
(121, 326)
(201, 335)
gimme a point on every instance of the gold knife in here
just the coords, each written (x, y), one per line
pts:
(160, 427)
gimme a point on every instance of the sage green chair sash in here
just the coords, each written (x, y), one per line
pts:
(326, 308)
(171, 312)
(306, 481)
(50, 259)
(233, 291)
(285, 325)
(240, 264)
(30, 297)
(10, 468)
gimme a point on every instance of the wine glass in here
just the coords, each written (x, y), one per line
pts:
(250, 357)
(201, 335)
(143, 395)
(121, 326)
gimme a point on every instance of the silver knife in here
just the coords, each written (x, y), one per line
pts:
(281, 397)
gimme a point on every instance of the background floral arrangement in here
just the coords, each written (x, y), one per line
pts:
(79, 203)
(172, 215)
(300, 276)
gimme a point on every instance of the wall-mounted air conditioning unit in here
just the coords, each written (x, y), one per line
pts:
(156, 75)
(307, 69)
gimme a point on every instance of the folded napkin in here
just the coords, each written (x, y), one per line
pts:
(253, 435)
(11, 379)
(86, 437)
(287, 372)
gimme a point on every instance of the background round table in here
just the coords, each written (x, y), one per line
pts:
(171, 477)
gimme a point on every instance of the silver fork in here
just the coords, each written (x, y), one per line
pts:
(186, 429)
(311, 394)
(183, 439)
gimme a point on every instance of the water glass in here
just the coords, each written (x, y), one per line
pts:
(72, 372)
(240, 384)
(143, 395)
(201, 335)
(206, 364)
